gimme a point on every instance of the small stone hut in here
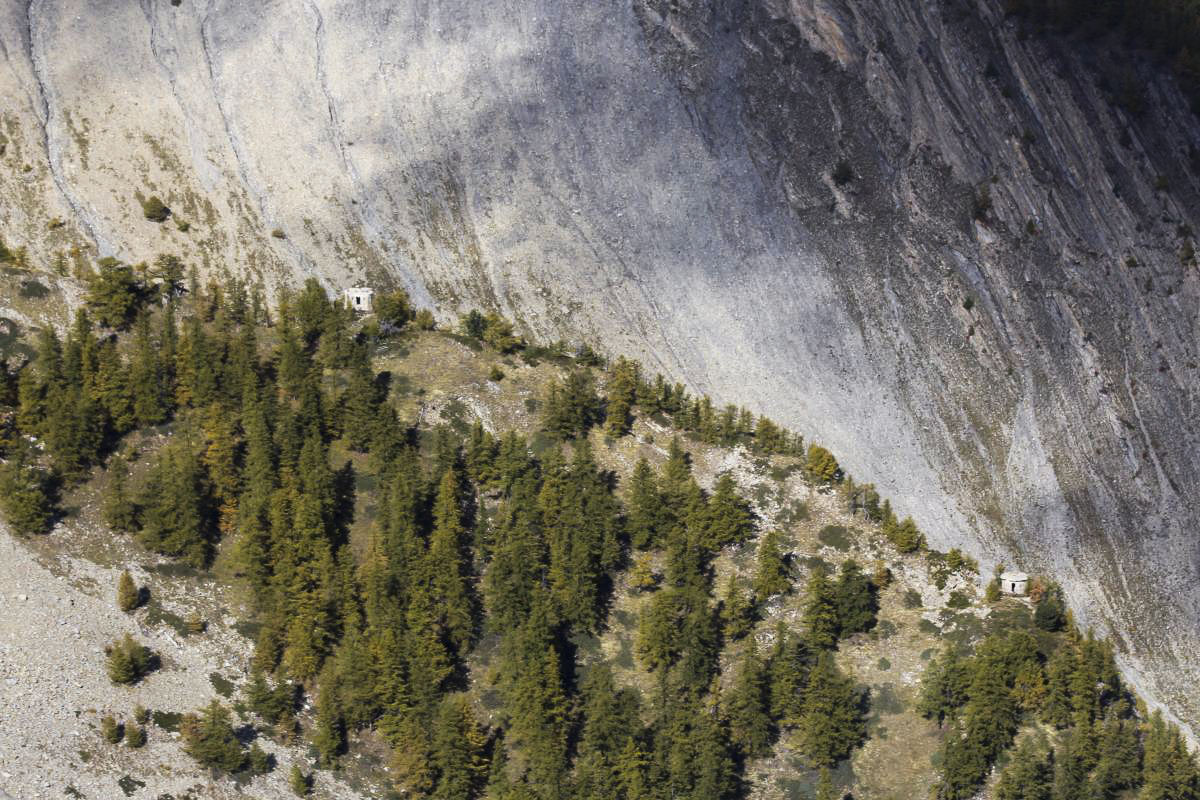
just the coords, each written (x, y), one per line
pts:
(359, 298)
(1014, 583)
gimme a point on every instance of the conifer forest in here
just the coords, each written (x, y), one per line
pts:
(442, 595)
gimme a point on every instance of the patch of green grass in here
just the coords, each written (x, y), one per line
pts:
(129, 785)
(467, 341)
(248, 629)
(455, 413)
(624, 657)
(958, 600)
(174, 569)
(835, 536)
(795, 511)
(85, 756)
(167, 720)
(883, 665)
(925, 626)
(927, 654)
(912, 599)
(781, 473)
(816, 562)
(33, 290)
(157, 615)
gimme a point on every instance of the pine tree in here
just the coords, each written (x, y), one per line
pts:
(787, 671)
(746, 707)
(825, 790)
(820, 612)
(114, 293)
(176, 516)
(146, 377)
(610, 717)
(110, 386)
(820, 466)
(622, 385)
(571, 406)
(451, 584)
(1050, 613)
(1168, 770)
(906, 536)
(25, 493)
(737, 612)
(772, 575)
(220, 462)
(208, 737)
(1071, 766)
(458, 749)
(729, 518)
(831, 722)
(360, 402)
(117, 509)
(644, 507)
(298, 782)
(1029, 775)
(329, 732)
(532, 687)
(1118, 765)
(854, 595)
(128, 597)
(120, 666)
(517, 561)
(944, 686)
(1056, 708)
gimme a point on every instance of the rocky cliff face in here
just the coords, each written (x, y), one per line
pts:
(901, 226)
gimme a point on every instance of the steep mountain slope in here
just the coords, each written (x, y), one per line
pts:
(990, 308)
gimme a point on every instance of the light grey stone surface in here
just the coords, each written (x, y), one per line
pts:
(657, 176)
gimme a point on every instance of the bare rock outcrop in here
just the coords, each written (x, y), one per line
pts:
(903, 226)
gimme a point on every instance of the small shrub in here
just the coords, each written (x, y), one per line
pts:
(260, 761)
(128, 596)
(196, 624)
(129, 661)
(883, 665)
(208, 737)
(155, 209)
(968, 303)
(496, 374)
(835, 536)
(33, 290)
(424, 320)
(882, 576)
(300, 783)
(141, 715)
(112, 731)
(992, 593)
(958, 600)
(1050, 614)
(183, 225)
(278, 233)
(135, 736)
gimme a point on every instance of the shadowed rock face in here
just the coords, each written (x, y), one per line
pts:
(1015, 367)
